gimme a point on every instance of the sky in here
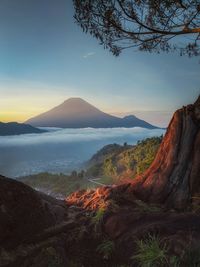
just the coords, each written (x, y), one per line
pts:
(45, 58)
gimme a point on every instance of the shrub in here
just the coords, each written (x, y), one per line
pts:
(98, 218)
(106, 249)
(174, 261)
(150, 253)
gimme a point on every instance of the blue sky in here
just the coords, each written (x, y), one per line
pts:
(45, 58)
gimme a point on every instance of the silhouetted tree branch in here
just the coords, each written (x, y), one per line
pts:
(149, 25)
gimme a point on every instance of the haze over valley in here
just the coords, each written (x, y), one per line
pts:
(61, 150)
(63, 139)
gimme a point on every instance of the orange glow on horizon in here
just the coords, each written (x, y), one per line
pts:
(19, 113)
(15, 116)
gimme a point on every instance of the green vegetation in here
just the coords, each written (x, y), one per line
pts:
(58, 184)
(150, 252)
(98, 218)
(174, 261)
(108, 180)
(106, 249)
(97, 221)
(111, 164)
(117, 161)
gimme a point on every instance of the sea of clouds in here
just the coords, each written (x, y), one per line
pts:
(61, 150)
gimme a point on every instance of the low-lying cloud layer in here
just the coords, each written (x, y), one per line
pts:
(61, 150)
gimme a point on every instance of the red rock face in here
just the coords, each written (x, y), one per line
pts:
(89, 199)
(174, 176)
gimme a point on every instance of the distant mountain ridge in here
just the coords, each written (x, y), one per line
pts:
(15, 128)
(77, 113)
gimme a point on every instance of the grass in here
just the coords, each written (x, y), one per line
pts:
(98, 218)
(106, 249)
(97, 221)
(174, 261)
(150, 252)
(107, 180)
(57, 183)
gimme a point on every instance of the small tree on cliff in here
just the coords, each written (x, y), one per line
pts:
(149, 25)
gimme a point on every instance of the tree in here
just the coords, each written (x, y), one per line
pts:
(149, 25)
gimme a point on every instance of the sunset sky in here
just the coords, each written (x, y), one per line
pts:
(45, 58)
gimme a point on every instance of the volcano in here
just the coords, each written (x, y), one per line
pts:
(77, 113)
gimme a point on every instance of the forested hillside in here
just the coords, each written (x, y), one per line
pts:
(112, 164)
(124, 161)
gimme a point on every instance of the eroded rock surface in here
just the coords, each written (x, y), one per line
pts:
(174, 176)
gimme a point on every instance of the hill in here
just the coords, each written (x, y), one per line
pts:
(14, 128)
(120, 162)
(77, 113)
(112, 164)
(57, 185)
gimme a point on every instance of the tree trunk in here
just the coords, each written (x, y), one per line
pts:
(174, 176)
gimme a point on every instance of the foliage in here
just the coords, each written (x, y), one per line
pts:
(98, 218)
(110, 163)
(107, 150)
(125, 161)
(109, 167)
(150, 253)
(106, 249)
(58, 185)
(107, 180)
(174, 261)
(146, 25)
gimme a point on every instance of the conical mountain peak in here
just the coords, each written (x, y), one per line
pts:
(75, 112)
(74, 100)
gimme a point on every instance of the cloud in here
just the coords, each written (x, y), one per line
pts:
(90, 54)
(62, 150)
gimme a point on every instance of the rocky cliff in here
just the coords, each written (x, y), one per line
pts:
(174, 176)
